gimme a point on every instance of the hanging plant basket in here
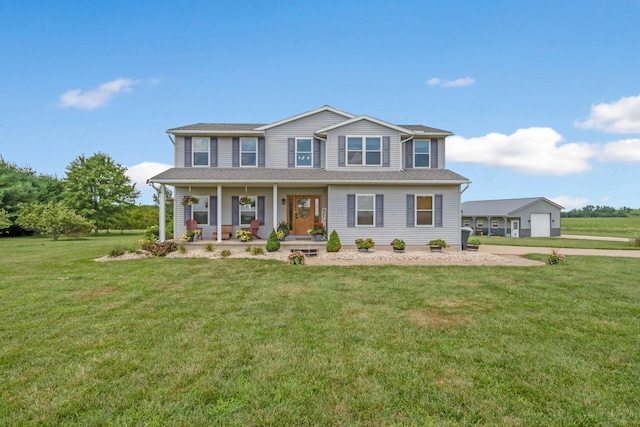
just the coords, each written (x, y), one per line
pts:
(189, 200)
(244, 200)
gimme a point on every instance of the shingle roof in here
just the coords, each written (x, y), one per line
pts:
(422, 128)
(295, 175)
(240, 127)
(500, 207)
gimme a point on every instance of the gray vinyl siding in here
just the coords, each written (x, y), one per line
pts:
(363, 128)
(395, 225)
(277, 137)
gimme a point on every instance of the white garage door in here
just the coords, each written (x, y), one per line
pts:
(540, 225)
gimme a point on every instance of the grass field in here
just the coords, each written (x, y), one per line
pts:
(614, 227)
(251, 342)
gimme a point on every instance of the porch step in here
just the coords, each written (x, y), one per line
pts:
(306, 251)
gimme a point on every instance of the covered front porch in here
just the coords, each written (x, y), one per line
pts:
(221, 210)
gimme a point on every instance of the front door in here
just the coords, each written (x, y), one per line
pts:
(302, 213)
(515, 228)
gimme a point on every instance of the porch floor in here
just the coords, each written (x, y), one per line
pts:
(291, 242)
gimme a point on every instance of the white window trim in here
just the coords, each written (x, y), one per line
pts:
(255, 210)
(480, 223)
(206, 208)
(252, 152)
(494, 223)
(373, 196)
(363, 151)
(433, 210)
(428, 141)
(310, 153)
(193, 152)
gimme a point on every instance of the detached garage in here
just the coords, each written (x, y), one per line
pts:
(529, 217)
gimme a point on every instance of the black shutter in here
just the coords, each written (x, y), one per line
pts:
(351, 210)
(187, 152)
(291, 152)
(261, 152)
(213, 162)
(437, 207)
(379, 210)
(341, 151)
(411, 210)
(316, 153)
(434, 153)
(408, 160)
(235, 148)
(261, 209)
(235, 210)
(386, 151)
(213, 210)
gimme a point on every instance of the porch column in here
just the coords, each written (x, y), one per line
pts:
(275, 206)
(162, 202)
(505, 226)
(489, 225)
(219, 213)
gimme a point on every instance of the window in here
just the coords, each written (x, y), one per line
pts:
(304, 152)
(248, 151)
(364, 150)
(200, 151)
(248, 210)
(200, 210)
(421, 153)
(365, 210)
(479, 223)
(494, 223)
(424, 210)
(466, 223)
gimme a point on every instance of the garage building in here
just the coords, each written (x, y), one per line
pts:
(528, 217)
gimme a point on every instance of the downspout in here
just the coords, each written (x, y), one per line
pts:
(465, 188)
(401, 157)
(171, 139)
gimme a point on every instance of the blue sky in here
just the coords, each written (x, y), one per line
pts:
(543, 97)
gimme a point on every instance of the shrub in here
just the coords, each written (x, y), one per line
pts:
(636, 242)
(367, 243)
(118, 250)
(151, 233)
(182, 249)
(225, 253)
(296, 258)
(160, 248)
(554, 258)
(244, 235)
(334, 245)
(257, 251)
(273, 244)
(398, 244)
(133, 248)
(208, 247)
(438, 242)
(474, 242)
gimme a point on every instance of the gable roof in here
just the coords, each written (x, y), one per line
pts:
(306, 114)
(501, 207)
(421, 129)
(360, 118)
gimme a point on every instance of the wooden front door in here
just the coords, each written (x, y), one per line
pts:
(302, 213)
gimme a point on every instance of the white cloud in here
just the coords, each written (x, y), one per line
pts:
(625, 150)
(569, 202)
(461, 82)
(534, 150)
(98, 97)
(140, 173)
(621, 116)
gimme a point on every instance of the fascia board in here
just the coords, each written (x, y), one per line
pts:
(217, 132)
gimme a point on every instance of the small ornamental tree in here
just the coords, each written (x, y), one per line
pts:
(54, 218)
(334, 245)
(5, 221)
(273, 244)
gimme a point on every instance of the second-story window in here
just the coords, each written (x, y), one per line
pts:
(304, 152)
(364, 150)
(248, 152)
(200, 151)
(421, 153)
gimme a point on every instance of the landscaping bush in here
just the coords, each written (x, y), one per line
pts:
(273, 244)
(225, 253)
(257, 251)
(334, 245)
(160, 248)
(118, 250)
(208, 247)
(554, 258)
(636, 242)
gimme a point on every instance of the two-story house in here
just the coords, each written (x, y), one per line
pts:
(359, 175)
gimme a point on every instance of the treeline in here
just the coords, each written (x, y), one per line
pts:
(95, 194)
(591, 211)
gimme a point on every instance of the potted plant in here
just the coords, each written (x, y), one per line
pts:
(364, 245)
(283, 230)
(473, 244)
(398, 245)
(244, 235)
(317, 231)
(244, 200)
(188, 236)
(296, 258)
(189, 200)
(437, 245)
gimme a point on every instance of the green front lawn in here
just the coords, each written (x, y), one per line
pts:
(614, 227)
(251, 342)
(555, 242)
